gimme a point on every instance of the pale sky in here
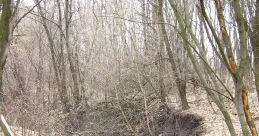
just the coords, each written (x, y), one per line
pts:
(28, 2)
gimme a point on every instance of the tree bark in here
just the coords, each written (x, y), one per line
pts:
(76, 91)
(4, 39)
(62, 93)
(5, 25)
(181, 85)
(199, 69)
(255, 45)
(160, 56)
(243, 67)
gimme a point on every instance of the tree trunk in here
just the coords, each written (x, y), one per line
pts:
(255, 45)
(199, 69)
(181, 85)
(239, 108)
(76, 91)
(243, 67)
(160, 56)
(4, 40)
(62, 92)
(6, 16)
(182, 92)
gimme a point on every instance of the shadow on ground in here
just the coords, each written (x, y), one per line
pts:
(107, 120)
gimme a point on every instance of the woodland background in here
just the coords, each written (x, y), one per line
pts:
(129, 67)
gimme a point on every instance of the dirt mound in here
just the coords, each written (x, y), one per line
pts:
(169, 122)
(183, 124)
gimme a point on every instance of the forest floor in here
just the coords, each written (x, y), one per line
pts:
(213, 123)
(107, 120)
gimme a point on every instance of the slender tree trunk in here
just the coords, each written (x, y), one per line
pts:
(239, 107)
(62, 93)
(5, 127)
(243, 67)
(144, 27)
(4, 40)
(199, 69)
(76, 91)
(255, 44)
(39, 77)
(181, 84)
(241, 101)
(62, 69)
(160, 53)
(5, 25)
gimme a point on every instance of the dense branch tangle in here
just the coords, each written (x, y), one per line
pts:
(83, 65)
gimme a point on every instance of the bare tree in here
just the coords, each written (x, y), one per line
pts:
(180, 83)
